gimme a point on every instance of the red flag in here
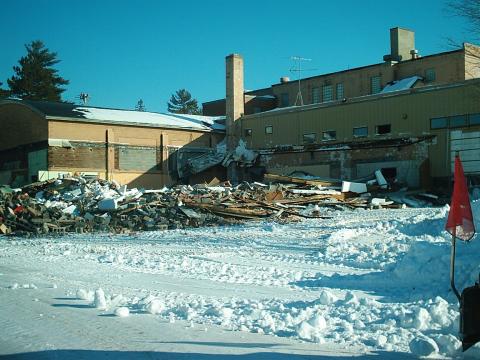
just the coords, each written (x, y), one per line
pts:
(460, 219)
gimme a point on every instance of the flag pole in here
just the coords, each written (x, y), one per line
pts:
(452, 269)
(452, 259)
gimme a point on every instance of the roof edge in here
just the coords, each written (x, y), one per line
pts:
(22, 103)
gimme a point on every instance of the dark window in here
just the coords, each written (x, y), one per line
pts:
(375, 84)
(257, 109)
(360, 131)
(269, 129)
(309, 138)
(383, 129)
(248, 132)
(474, 119)
(315, 95)
(284, 100)
(329, 135)
(327, 92)
(339, 91)
(430, 75)
(439, 123)
(458, 121)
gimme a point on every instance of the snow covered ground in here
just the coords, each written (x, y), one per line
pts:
(363, 284)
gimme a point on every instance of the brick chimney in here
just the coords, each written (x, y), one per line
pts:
(235, 104)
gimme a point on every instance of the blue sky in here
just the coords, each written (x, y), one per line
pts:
(119, 51)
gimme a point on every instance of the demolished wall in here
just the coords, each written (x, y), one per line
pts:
(349, 162)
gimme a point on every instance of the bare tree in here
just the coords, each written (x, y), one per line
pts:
(470, 11)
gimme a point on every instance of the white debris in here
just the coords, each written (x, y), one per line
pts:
(380, 202)
(354, 187)
(71, 210)
(381, 179)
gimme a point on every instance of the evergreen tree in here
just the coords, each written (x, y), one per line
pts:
(34, 78)
(140, 106)
(3, 93)
(182, 103)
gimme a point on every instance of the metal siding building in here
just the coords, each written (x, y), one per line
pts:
(407, 113)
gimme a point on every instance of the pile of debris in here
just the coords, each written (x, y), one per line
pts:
(80, 205)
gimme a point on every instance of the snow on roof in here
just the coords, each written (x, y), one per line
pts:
(196, 122)
(68, 111)
(403, 84)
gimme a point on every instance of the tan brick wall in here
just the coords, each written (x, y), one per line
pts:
(20, 125)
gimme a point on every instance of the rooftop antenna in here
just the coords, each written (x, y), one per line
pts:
(84, 97)
(297, 68)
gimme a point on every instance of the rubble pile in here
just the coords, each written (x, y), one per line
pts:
(77, 204)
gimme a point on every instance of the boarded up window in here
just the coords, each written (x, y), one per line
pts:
(137, 158)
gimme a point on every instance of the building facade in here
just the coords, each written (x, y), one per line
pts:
(41, 140)
(404, 61)
(407, 116)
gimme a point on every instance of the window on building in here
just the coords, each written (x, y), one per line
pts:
(327, 92)
(309, 138)
(474, 119)
(248, 132)
(257, 109)
(439, 123)
(458, 121)
(340, 94)
(329, 135)
(375, 84)
(360, 131)
(430, 75)
(383, 129)
(315, 95)
(269, 129)
(284, 100)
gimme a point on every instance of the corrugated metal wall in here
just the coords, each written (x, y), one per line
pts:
(408, 114)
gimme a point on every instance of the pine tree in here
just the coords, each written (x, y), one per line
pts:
(3, 93)
(35, 79)
(140, 106)
(182, 103)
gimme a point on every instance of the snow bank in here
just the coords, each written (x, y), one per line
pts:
(374, 280)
